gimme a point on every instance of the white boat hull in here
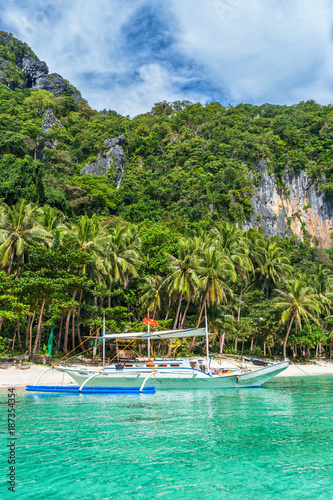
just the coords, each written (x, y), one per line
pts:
(175, 379)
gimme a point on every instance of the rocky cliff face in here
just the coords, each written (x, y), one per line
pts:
(299, 207)
(21, 68)
(112, 156)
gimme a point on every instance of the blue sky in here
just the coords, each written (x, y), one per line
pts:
(127, 55)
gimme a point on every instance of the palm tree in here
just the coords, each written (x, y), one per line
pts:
(183, 280)
(298, 301)
(19, 228)
(123, 255)
(151, 293)
(273, 266)
(90, 238)
(234, 244)
(215, 269)
(322, 285)
(50, 218)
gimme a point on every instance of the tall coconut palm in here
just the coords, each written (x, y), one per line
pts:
(323, 287)
(122, 251)
(151, 291)
(50, 218)
(215, 269)
(183, 279)
(273, 266)
(19, 228)
(235, 245)
(90, 238)
(297, 302)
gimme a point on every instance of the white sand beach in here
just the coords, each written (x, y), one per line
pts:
(318, 368)
(14, 376)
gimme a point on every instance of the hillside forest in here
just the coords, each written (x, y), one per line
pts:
(170, 239)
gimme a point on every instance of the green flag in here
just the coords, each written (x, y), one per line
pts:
(50, 341)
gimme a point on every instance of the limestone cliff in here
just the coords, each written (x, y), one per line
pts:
(113, 156)
(299, 207)
(21, 68)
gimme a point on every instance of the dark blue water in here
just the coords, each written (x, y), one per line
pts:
(269, 443)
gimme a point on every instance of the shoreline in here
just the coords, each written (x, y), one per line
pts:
(13, 376)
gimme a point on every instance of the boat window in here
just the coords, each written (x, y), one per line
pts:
(163, 366)
(127, 366)
(150, 366)
(174, 365)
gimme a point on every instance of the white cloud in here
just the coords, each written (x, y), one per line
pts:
(154, 84)
(260, 51)
(230, 50)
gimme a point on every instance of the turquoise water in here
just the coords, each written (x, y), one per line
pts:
(274, 442)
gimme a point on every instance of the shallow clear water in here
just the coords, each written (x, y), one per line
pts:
(274, 442)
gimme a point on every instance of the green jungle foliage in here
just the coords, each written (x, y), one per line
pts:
(186, 164)
(74, 246)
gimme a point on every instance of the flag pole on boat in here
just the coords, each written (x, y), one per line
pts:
(148, 336)
(207, 338)
(103, 339)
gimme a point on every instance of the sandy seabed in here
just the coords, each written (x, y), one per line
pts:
(13, 376)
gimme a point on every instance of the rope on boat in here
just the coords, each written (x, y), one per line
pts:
(55, 364)
(312, 376)
(102, 369)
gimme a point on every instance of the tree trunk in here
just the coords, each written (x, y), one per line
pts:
(73, 328)
(78, 322)
(60, 330)
(109, 298)
(18, 335)
(67, 326)
(39, 327)
(264, 348)
(185, 312)
(169, 348)
(178, 309)
(236, 343)
(167, 314)
(190, 349)
(240, 301)
(13, 343)
(287, 335)
(27, 333)
(11, 261)
(30, 332)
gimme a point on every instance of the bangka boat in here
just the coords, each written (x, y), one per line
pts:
(167, 374)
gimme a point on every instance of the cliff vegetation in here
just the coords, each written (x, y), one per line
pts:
(158, 226)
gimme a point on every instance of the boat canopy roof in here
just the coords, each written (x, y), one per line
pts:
(155, 335)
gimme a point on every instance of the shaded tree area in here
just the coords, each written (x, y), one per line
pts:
(268, 296)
